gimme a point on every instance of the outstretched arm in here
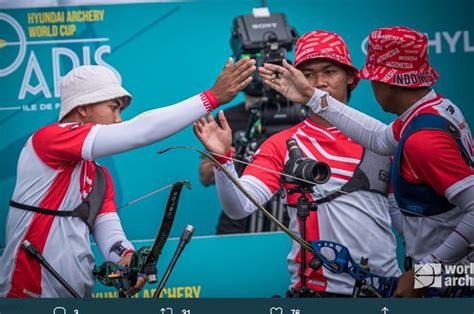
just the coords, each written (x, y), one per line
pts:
(218, 141)
(158, 124)
(364, 129)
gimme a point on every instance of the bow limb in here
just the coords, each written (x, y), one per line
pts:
(166, 224)
(300, 241)
(297, 239)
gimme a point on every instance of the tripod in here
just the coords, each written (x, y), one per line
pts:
(303, 208)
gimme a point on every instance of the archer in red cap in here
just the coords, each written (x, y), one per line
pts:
(319, 44)
(324, 60)
(433, 157)
(399, 56)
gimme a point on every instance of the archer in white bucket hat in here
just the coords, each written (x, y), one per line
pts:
(90, 84)
(57, 174)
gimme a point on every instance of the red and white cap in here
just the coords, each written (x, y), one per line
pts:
(321, 44)
(399, 56)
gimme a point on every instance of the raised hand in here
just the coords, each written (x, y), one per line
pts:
(288, 81)
(217, 140)
(233, 79)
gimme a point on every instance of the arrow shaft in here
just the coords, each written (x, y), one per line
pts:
(145, 196)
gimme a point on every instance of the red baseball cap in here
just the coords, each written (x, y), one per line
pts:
(321, 44)
(399, 56)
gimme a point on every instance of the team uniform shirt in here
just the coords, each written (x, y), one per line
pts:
(56, 171)
(433, 157)
(53, 173)
(359, 220)
(429, 157)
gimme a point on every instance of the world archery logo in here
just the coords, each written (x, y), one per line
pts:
(428, 275)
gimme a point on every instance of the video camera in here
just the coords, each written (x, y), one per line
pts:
(267, 38)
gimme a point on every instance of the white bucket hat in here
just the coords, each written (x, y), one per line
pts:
(90, 84)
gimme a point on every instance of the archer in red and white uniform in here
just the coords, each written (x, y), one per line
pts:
(433, 168)
(56, 172)
(354, 219)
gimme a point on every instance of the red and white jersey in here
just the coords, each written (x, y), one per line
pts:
(359, 220)
(433, 157)
(54, 172)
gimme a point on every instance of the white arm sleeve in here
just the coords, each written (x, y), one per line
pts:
(107, 232)
(367, 131)
(456, 246)
(234, 203)
(146, 128)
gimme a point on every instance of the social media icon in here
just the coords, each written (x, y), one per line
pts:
(59, 310)
(276, 310)
(167, 310)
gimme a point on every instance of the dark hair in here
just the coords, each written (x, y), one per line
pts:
(354, 75)
(349, 92)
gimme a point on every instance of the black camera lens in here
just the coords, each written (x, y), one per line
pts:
(311, 170)
(304, 168)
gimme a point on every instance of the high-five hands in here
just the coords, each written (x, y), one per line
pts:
(216, 139)
(288, 81)
(233, 78)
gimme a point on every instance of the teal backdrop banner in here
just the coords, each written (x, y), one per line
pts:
(233, 266)
(168, 51)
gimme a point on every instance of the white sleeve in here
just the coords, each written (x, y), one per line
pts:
(234, 203)
(456, 246)
(367, 131)
(146, 128)
(109, 237)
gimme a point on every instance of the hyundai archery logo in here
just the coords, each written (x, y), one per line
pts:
(428, 275)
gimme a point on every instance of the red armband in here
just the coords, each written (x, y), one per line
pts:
(209, 100)
(223, 159)
(128, 251)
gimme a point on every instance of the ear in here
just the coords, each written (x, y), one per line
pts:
(350, 77)
(82, 110)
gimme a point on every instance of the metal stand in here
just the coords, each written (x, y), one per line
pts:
(304, 206)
